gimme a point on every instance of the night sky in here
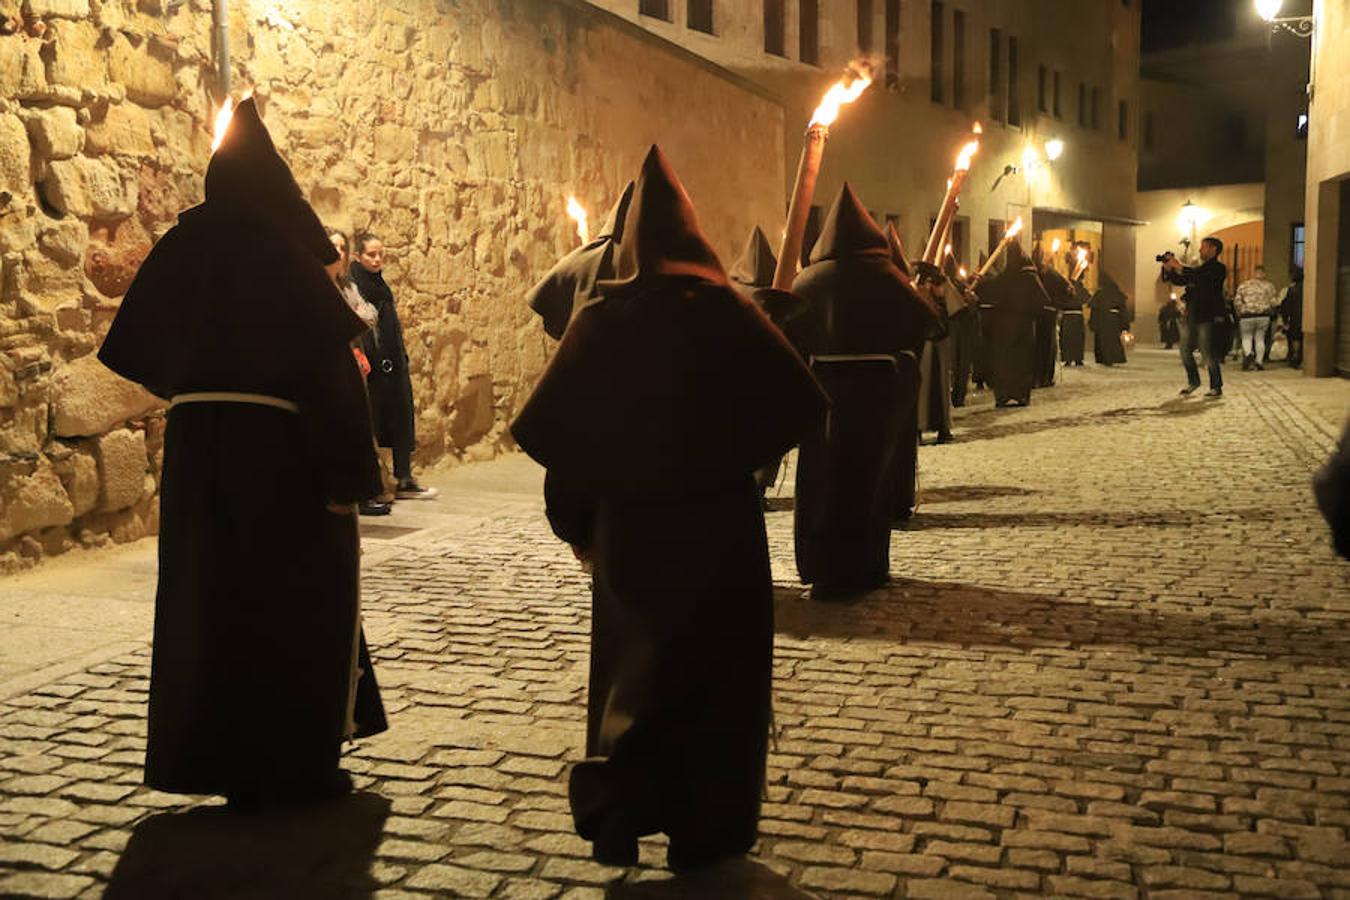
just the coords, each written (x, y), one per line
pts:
(1169, 23)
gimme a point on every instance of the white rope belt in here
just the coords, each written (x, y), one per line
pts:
(234, 397)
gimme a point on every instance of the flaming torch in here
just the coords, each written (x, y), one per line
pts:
(577, 213)
(944, 219)
(1008, 236)
(846, 90)
(1082, 265)
(223, 118)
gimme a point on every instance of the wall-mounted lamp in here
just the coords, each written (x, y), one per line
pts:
(1054, 149)
(1303, 26)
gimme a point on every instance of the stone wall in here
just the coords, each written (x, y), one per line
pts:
(452, 128)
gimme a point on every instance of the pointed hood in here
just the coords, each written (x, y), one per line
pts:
(756, 267)
(849, 230)
(661, 236)
(1015, 257)
(572, 281)
(248, 178)
(898, 251)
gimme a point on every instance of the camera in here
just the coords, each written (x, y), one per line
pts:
(1164, 257)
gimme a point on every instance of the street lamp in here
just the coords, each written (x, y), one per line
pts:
(1190, 219)
(1270, 11)
(1054, 149)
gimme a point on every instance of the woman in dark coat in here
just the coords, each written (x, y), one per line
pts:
(1110, 319)
(1017, 298)
(667, 391)
(259, 667)
(390, 382)
(862, 332)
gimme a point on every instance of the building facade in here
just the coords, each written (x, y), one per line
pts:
(1030, 71)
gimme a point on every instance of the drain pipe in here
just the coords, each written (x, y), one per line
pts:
(220, 27)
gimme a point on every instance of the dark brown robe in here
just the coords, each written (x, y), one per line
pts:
(668, 390)
(1018, 298)
(853, 479)
(256, 613)
(1110, 319)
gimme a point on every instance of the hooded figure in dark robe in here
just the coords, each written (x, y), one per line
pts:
(1169, 323)
(1017, 298)
(259, 667)
(1110, 319)
(862, 333)
(572, 282)
(753, 274)
(1073, 323)
(668, 390)
(1047, 323)
(935, 365)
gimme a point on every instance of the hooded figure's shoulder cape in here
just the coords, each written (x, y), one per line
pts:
(860, 302)
(754, 272)
(250, 257)
(670, 381)
(572, 282)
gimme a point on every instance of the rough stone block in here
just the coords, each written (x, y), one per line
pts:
(64, 241)
(79, 473)
(123, 131)
(15, 171)
(32, 500)
(89, 188)
(22, 74)
(56, 133)
(148, 79)
(68, 9)
(89, 399)
(121, 464)
(77, 59)
(114, 255)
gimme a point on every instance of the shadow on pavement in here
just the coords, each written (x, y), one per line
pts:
(974, 428)
(969, 615)
(209, 852)
(1125, 518)
(970, 492)
(742, 879)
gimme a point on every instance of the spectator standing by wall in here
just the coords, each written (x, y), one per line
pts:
(1291, 311)
(390, 386)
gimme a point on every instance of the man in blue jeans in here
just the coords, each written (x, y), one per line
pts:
(1205, 313)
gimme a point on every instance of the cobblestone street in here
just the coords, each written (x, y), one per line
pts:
(1114, 662)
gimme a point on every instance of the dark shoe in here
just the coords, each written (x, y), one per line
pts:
(375, 508)
(1259, 366)
(1247, 363)
(945, 437)
(1214, 392)
(1189, 389)
(411, 490)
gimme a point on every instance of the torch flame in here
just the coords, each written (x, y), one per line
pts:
(1014, 229)
(846, 90)
(223, 118)
(966, 155)
(961, 271)
(1082, 255)
(577, 213)
(948, 251)
(977, 128)
(1055, 245)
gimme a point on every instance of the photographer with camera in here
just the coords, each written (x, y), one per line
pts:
(1205, 313)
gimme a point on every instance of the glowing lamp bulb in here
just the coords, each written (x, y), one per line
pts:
(1268, 9)
(1054, 149)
